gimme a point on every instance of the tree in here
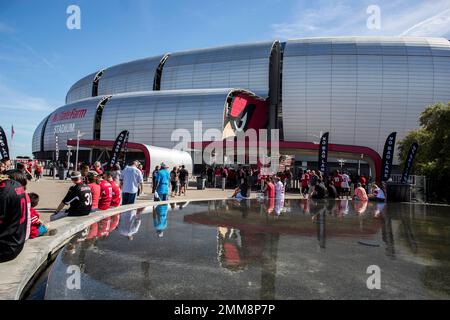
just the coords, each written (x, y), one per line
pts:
(433, 156)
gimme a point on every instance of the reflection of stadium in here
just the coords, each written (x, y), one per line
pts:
(358, 88)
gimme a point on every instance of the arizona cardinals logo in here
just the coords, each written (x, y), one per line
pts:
(245, 114)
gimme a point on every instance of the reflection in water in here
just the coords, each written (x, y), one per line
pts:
(130, 223)
(260, 250)
(160, 219)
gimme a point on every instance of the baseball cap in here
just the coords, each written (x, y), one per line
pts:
(75, 175)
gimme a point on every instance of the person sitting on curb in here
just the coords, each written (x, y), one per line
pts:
(241, 192)
(105, 192)
(38, 228)
(78, 198)
(377, 194)
(13, 218)
(115, 195)
(95, 189)
(360, 193)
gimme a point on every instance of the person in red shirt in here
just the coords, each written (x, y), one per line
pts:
(116, 199)
(105, 194)
(269, 190)
(38, 228)
(98, 168)
(305, 182)
(337, 178)
(95, 189)
(37, 171)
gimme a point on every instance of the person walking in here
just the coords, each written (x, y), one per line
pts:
(131, 182)
(210, 174)
(224, 173)
(183, 177)
(162, 184)
(154, 174)
(173, 181)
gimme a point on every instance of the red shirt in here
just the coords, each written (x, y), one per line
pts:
(115, 202)
(305, 179)
(98, 170)
(270, 193)
(337, 180)
(34, 232)
(363, 180)
(105, 195)
(95, 191)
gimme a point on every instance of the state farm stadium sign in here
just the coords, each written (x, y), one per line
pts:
(68, 115)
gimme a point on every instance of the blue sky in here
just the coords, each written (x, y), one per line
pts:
(40, 58)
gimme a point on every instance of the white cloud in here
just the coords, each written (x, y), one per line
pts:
(398, 17)
(437, 25)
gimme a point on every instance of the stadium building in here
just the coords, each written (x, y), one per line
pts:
(359, 89)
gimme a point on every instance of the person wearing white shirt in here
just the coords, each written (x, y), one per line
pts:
(279, 188)
(345, 184)
(132, 181)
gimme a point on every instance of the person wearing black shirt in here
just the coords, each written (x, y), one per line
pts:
(319, 190)
(332, 192)
(241, 191)
(79, 199)
(183, 175)
(210, 174)
(13, 218)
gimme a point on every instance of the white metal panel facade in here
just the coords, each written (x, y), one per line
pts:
(239, 66)
(36, 142)
(361, 88)
(137, 75)
(152, 116)
(82, 89)
(171, 157)
(67, 120)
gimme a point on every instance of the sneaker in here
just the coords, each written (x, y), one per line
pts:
(51, 232)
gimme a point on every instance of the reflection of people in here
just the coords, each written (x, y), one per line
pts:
(360, 206)
(377, 194)
(360, 193)
(229, 247)
(160, 219)
(279, 205)
(129, 224)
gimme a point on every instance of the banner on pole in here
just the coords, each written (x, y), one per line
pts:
(409, 161)
(121, 140)
(388, 157)
(323, 152)
(4, 149)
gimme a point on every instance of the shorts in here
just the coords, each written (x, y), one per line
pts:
(182, 183)
(338, 190)
(345, 190)
(305, 189)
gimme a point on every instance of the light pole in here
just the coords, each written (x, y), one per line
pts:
(79, 135)
(341, 163)
(69, 153)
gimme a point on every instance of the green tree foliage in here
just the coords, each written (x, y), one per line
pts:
(433, 156)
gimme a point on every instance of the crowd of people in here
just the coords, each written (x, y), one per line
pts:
(95, 189)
